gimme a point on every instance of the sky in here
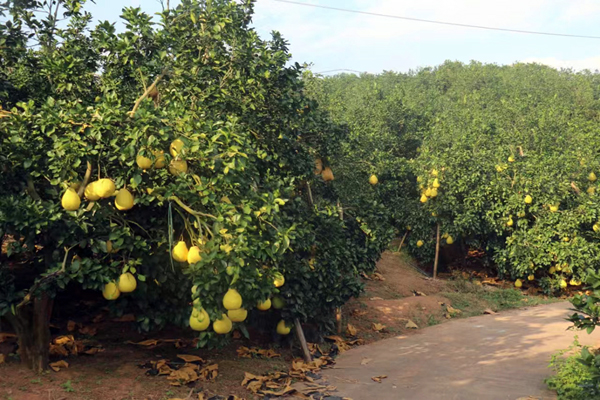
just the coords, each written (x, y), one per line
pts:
(334, 40)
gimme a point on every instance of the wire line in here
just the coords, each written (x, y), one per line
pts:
(438, 22)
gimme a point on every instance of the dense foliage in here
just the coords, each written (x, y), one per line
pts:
(503, 158)
(210, 142)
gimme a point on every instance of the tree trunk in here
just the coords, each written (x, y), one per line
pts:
(32, 326)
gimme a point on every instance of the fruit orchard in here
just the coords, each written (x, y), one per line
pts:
(502, 159)
(170, 169)
(186, 171)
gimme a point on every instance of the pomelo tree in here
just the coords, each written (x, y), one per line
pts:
(175, 155)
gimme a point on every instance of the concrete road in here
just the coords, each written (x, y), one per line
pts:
(500, 356)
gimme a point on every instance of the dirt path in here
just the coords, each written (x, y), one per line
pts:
(501, 356)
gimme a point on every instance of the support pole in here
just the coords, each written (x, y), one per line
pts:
(437, 252)
(302, 339)
(402, 241)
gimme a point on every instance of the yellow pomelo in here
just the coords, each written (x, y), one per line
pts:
(563, 284)
(318, 166)
(574, 282)
(176, 146)
(554, 208)
(180, 252)
(373, 180)
(511, 159)
(278, 303)
(552, 270)
(279, 280)
(237, 315)
(109, 246)
(104, 188)
(124, 200)
(193, 255)
(143, 162)
(282, 328)
(436, 183)
(509, 222)
(434, 172)
(518, 283)
(423, 198)
(591, 190)
(596, 227)
(232, 300)
(449, 240)
(199, 320)
(530, 277)
(419, 179)
(159, 159)
(433, 193)
(419, 243)
(90, 192)
(127, 283)
(223, 325)
(111, 291)
(528, 199)
(327, 174)
(592, 177)
(428, 192)
(265, 305)
(70, 200)
(177, 167)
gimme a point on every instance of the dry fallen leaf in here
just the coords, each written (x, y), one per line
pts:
(56, 366)
(71, 326)
(358, 313)
(365, 361)
(146, 343)
(62, 340)
(376, 298)
(190, 358)
(210, 372)
(489, 311)
(351, 330)
(125, 318)
(379, 378)
(88, 330)
(377, 276)
(377, 327)
(417, 293)
(411, 325)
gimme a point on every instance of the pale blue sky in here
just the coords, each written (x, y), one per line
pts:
(336, 40)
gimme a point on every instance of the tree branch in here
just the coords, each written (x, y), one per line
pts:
(189, 210)
(45, 279)
(86, 179)
(31, 190)
(143, 96)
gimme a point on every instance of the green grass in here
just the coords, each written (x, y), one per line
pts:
(473, 299)
(67, 386)
(571, 380)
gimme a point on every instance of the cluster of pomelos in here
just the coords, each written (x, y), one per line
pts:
(232, 300)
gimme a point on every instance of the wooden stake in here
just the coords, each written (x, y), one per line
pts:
(437, 251)
(310, 198)
(402, 241)
(302, 339)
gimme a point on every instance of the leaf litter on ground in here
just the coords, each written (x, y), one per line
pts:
(278, 384)
(255, 352)
(191, 369)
